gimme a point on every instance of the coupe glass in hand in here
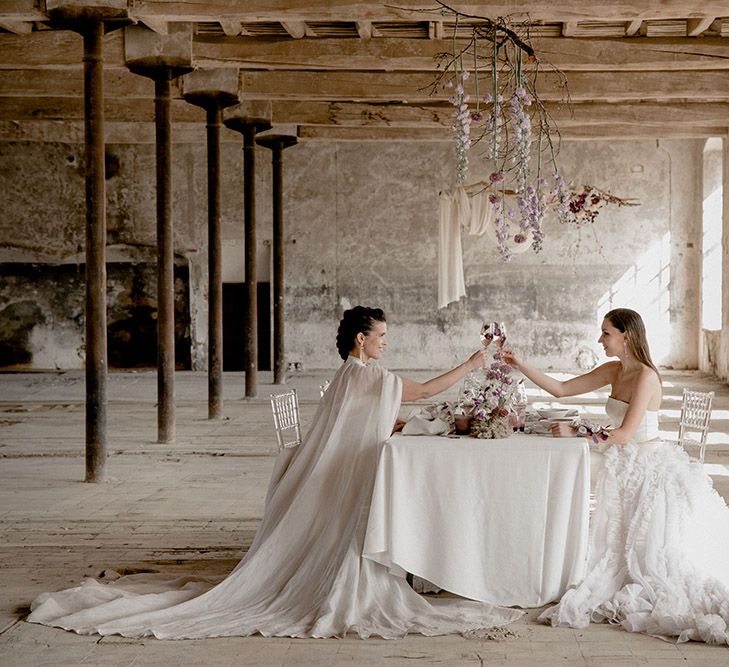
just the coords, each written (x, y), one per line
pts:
(494, 331)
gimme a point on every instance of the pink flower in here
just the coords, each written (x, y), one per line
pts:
(496, 177)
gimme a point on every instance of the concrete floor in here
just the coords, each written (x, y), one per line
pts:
(195, 505)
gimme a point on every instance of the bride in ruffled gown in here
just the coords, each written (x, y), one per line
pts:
(304, 575)
(659, 541)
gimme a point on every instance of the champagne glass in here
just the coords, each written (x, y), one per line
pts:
(498, 330)
(487, 333)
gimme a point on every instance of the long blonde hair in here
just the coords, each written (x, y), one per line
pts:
(631, 324)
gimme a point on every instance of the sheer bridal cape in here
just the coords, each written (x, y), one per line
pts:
(303, 575)
(659, 544)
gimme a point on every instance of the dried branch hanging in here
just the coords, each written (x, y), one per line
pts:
(491, 76)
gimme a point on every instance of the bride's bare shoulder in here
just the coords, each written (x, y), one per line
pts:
(609, 369)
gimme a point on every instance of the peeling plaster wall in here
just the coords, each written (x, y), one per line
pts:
(362, 227)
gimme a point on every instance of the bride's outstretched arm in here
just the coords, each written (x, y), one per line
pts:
(596, 378)
(412, 391)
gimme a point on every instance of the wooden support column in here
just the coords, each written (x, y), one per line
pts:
(165, 260)
(277, 143)
(92, 22)
(213, 91)
(95, 339)
(248, 128)
(163, 57)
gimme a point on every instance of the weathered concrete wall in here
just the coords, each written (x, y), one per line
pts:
(369, 232)
(362, 227)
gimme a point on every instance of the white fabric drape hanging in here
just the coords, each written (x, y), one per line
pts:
(458, 210)
(453, 208)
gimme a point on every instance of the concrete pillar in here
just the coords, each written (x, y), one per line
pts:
(722, 363)
(90, 22)
(249, 120)
(213, 90)
(277, 143)
(163, 57)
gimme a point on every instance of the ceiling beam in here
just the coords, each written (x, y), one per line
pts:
(354, 114)
(72, 132)
(55, 48)
(405, 87)
(591, 133)
(376, 10)
(415, 86)
(597, 54)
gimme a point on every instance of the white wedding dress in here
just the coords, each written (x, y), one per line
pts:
(659, 544)
(303, 575)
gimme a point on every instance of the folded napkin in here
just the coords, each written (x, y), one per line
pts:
(422, 422)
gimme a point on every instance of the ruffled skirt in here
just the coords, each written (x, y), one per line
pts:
(659, 549)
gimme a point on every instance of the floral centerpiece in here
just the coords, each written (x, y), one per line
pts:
(489, 398)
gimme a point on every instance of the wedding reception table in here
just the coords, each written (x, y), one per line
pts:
(501, 521)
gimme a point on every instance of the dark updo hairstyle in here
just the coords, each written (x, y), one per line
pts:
(359, 319)
(631, 324)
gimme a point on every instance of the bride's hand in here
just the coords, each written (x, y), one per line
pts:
(562, 430)
(507, 355)
(478, 359)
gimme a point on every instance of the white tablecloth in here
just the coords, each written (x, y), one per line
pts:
(501, 521)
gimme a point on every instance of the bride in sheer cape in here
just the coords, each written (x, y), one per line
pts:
(304, 575)
(659, 536)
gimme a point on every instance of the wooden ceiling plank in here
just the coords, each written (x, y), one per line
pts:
(69, 83)
(376, 10)
(55, 49)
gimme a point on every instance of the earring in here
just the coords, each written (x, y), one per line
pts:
(362, 356)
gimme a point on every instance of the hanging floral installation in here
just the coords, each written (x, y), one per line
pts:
(491, 76)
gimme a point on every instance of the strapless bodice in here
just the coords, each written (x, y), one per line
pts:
(648, 427)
